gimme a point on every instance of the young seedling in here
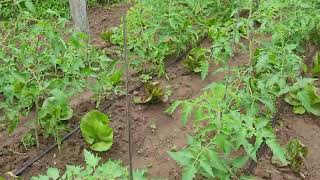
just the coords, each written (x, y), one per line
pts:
(28, 140)
(197, 61)
(153, 93)
(296, 153)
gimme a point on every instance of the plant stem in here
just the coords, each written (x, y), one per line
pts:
(37, 126)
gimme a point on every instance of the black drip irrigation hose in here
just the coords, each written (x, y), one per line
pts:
(22, 168)
(29, 163)
(264, 146)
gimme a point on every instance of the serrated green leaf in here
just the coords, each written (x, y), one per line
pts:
(90, 159)
(204, 69)
(181, 157)
(187, 108)
(205, 164)
(277, 150)
(140, 174)
(222, 142)
(111, 170)
(216, 162)
(240, 161)
(173, 107)
(189, 172)
(53, 173)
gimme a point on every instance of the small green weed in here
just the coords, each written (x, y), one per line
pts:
(28, 140)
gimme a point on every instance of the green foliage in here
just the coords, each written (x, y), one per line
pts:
(296, 152)
(304, 98)
(316, 64)
(145, 78)
(222, 130)
(197, 61)
(96, 131)
(53, 114)
(165, 28)
(107, 81)
(44, 64)
(226, 120)
(28, 140)
(37, 8)
(106, 36)
(153, 93)
(93, 169)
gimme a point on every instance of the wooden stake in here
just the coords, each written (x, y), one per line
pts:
(79, 15)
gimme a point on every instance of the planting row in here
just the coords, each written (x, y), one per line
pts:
(41, 61)
(233, 121)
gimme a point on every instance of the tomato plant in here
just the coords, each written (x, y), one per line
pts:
(165, 28)
(227, 119)
(43, 66)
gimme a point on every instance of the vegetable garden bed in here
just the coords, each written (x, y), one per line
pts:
(227, 108)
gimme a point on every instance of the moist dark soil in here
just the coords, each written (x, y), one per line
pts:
(154, 132)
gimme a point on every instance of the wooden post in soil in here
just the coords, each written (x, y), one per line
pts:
(79, 15)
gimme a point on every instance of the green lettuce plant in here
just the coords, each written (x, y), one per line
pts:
(296, 152)
(54, 113)
(197, 61)
(96, 131)
(305, 98)
(153, 93)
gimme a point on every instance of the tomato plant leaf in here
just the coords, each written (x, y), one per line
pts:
(277, 150)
